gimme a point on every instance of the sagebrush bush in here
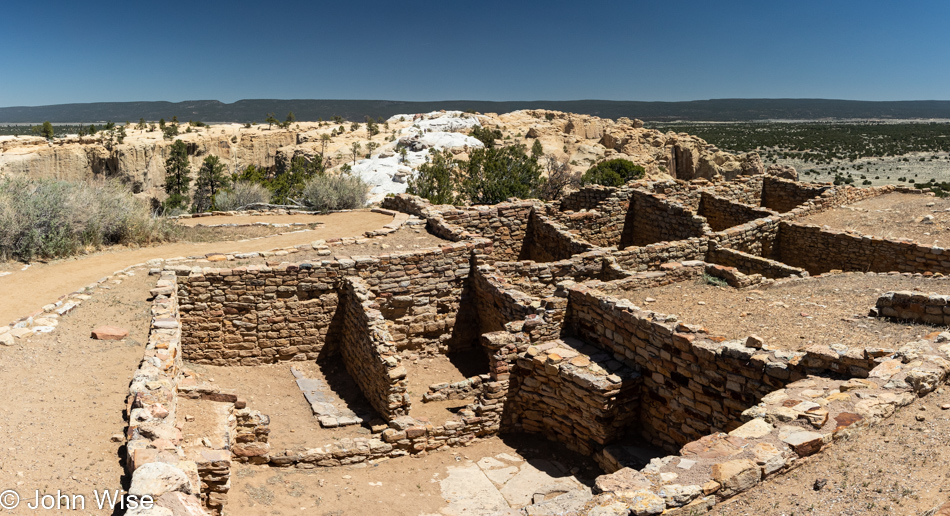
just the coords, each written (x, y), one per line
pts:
(240, 195)
(50, 218)
(326, 192)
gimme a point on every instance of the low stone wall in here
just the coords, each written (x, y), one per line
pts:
(723, 214)
(586, 198)
(255, 315)
(251, 435)
(407, 436)
(547, 241)
(463, 390)
(651, 257)
(756, 237)
(369, 353)
(694, 383)
(783, 195)
(601, 225)
(818, 250)
(540, 278)
(573, 394)
(505, 224)
(751, 264)
(651, 219)
(153, 442)
(914, 306)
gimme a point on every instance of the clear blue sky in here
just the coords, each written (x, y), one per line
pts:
(95, 51)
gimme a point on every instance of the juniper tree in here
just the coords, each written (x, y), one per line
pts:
(177, 176)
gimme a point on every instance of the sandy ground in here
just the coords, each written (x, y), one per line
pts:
(794, 315)
(405, 486)
(899, 467)
(893, 215)
(66, 396)
(273, 390)
(26, 291)
(427, 371)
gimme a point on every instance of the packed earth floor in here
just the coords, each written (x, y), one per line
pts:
(792, 315)
(924, 219)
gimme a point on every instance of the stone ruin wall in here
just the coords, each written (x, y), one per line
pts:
(650, 220)
(369, 352)
(722, 214)
(258, 315)
(547, 241)
(819, 250)
(914, 307)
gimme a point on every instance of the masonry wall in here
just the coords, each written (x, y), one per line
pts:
(757, 237)
(369, 352)
(258, 315)
(914, 306)
(586, 198)
(505, 224)
(784, 195)
(601, 225)
(722, 213)
(651, 257)
(692, 386)
(571, 399)
(651, 219)
(817, 250)
(752, 264)
(548, 241)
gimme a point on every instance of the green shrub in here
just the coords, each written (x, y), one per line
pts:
(493, 175)
(240, 195)
(437, 181)
(326, 192)
(50, 218)
(614, 172)
(485, 135)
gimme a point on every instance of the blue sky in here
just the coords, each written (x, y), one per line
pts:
(98, 51)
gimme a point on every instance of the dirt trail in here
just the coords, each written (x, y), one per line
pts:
(251, 219)
(65, 399)
(26, 291)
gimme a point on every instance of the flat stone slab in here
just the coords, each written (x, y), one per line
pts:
(753, 429)
(532, 482)
(470, 492)
(328, 415)
(109, 333)
(501, 475)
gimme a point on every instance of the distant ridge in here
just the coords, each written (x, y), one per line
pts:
(310, 110)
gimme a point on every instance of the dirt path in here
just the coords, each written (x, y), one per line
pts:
(23, 292)
(66, 396)
(251, 219)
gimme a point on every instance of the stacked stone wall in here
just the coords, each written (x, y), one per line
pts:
(817, 251)
(693, 385)
(915, 307)
(752, 264)
(651, 219)
(722, 213)
(256, 315)
(783, 195)
(586, 198)
(505, 224)
(369, 352)
(651, 257)
(547, 241)
(577, 399)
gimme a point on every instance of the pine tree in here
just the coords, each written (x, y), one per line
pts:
(211, 179)
(177, 176)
